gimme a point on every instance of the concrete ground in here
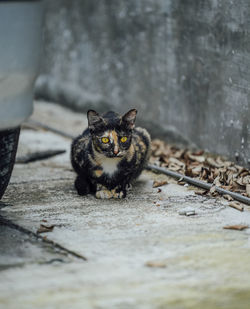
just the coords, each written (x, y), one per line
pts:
(139, 252)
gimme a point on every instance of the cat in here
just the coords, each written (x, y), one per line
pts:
(110, 154)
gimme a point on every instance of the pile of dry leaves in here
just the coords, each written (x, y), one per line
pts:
(203, 166)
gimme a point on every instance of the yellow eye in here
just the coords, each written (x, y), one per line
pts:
(124, 139)
(105, 140)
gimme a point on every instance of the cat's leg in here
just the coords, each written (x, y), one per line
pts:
(82, 186)
(129, 187)
(103, 193)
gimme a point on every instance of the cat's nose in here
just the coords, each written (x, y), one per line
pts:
(116, 150)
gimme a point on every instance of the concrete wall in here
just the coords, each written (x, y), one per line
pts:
(184, 64)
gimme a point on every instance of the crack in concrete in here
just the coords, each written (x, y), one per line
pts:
(55, 245)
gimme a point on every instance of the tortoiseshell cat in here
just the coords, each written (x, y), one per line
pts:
(109, 154)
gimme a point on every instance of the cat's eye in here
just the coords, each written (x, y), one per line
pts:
(124, 139)
(105, 140)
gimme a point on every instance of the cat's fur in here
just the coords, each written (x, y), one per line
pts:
(107, 169)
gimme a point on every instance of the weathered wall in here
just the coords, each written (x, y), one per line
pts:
(184, 64)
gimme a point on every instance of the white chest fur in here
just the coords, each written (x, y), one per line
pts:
(109, 165)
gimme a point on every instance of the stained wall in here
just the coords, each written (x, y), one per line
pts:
(185, 65)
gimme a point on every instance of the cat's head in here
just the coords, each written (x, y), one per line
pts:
(111, 133)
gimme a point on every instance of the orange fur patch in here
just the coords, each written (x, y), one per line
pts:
(98, 173)
(115, 139)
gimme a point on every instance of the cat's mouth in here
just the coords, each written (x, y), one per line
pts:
(113, 155)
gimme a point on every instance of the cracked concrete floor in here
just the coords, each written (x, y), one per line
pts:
(141, 253)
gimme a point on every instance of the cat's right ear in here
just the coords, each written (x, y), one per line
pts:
(129, 119)
(94, 120)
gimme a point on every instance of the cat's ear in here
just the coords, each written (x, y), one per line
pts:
(129, 119)
(94, 120)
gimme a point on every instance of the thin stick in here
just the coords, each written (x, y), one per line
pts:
(198, 183)
(43, 126)
(39, 155)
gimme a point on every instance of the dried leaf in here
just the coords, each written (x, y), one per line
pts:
(238, 227)
(159, 183)
(239, 181)
(232, 168)
(248, 190)
(236, 205)
(246, 180)
(198, 152)
(213, 163)
(201, 192)
(181, 180)
(165, 159)
(189, 172)
(213, 191)
(204, 173)
(179, 153)
(230, 177)
(216, 182)
(174, 167)
(45, 228)
(243, 172)
(197, 170)
(177, 162)
(182, 183)
(228, 197)
(157, 142)
(159, 151)
(229, 188)
(211, 177)
(157, 264)
(220, 161)
(199, 159)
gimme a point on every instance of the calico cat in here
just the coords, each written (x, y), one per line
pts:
(109, 154)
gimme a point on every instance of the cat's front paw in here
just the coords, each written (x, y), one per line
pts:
(104, 194)
(119, 194)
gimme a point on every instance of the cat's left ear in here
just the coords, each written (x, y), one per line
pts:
(129, 118)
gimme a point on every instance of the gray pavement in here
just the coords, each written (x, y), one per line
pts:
(141, 253)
